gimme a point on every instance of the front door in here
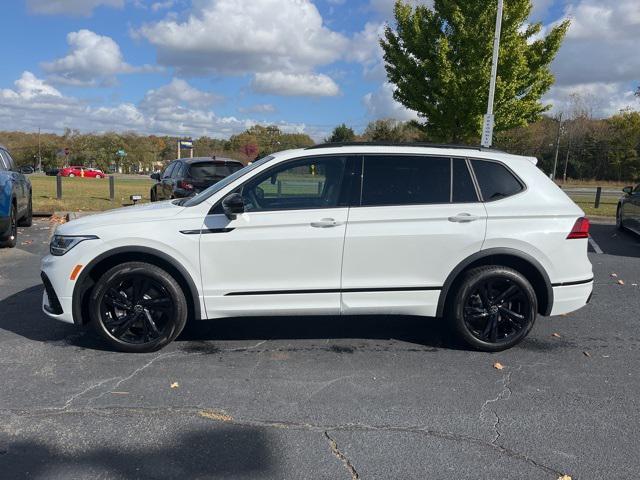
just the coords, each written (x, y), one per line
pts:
(284, 254)
(418, 218)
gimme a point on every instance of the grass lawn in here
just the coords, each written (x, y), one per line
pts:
(86, 194)
(607, 207)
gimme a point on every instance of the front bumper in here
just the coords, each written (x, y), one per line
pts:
(569, 298)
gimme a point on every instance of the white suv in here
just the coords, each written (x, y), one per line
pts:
(478, 237)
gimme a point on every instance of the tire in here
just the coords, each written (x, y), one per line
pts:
(128, 320)
(153, 196)
(98, 177)
(11, 239)
(494, 308)
(27, 220)
(619, 224)
(71, 175)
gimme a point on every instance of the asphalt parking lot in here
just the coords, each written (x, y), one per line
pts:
(368, 398)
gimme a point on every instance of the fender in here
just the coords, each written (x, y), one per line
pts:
(489, 253)
(79, 289)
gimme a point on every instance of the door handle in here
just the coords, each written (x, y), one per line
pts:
(464, 218)
(325, 223)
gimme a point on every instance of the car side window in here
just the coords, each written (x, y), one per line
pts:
(463, 189)
(310, 183)
(178, 171)
(405, 180)
(167, 173)
(495, 180)
(4, 165)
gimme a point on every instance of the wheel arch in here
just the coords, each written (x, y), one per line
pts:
(109, 259)
(507, 257)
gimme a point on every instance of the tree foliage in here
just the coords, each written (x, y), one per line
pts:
(341, 133)
(439, 59)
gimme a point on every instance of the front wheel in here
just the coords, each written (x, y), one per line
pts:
(494, 308)
(138, 307)
(72, 175)
(27, 220)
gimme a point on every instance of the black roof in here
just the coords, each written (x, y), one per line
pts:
(208, 159)
(400, 144)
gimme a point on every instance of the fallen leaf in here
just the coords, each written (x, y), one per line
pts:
(614, 275)
(214, 415)
(498, 366)
(557, 335)
(175, 385)
(620, 282)
(564, 477)
(27, 242)
(586, 354)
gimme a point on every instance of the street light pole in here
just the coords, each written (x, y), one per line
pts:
(555, 161)
(487, 130)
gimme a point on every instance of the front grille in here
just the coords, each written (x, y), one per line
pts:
(54, 306)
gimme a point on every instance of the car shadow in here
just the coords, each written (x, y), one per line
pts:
(21, 314)
(219, 451)
(615, 242)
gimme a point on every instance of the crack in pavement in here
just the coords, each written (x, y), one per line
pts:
(505, 394)
(341, 456)
(346, 427)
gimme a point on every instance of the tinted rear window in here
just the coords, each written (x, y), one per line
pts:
(207, 170)
(495, 180)
(405, 180)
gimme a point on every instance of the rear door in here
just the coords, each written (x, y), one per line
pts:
(418, 218)
(163, 188)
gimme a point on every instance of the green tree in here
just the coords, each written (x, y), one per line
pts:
(440, 61)
(341, 133)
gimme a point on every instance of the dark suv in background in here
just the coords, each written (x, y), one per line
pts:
(189, 176)
(15, 200)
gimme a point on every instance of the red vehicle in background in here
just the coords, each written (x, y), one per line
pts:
(81, 172)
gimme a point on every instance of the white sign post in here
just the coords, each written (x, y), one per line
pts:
(487, 130)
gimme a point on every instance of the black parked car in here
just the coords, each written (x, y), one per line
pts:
(52, 172)
(628, 212)
(189, 176)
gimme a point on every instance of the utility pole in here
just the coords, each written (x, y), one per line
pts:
(487, 129)
(39, 153)
(179, 149)
(555, 161)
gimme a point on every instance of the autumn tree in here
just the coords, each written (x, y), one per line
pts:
(439, 59)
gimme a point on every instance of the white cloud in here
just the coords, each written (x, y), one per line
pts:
(229, 36)
(598, 98)
(92, 60)
(290, 84)
(381, 104)
(70, 7)
(258, 108)
(175, 109)
(602, 43)
(157, 6)
(385, 7)
(365, 49)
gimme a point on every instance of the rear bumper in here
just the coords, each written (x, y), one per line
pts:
(569, 298)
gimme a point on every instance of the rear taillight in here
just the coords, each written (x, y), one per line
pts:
(185, 185)
(580, 229)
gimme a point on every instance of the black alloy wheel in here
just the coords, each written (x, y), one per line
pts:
(138, 307)
(495, 308)
(11, 239)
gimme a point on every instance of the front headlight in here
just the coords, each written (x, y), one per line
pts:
(61, 244)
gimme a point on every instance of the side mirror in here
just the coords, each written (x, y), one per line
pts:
(232, 205)
(628, 190)
(155, 176)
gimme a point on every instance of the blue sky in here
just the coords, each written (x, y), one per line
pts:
(214, 67)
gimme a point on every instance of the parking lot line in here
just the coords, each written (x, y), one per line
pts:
(595, 246)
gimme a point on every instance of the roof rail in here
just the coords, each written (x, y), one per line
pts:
(399, 144)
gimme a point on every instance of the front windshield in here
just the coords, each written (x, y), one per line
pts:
(215, 188)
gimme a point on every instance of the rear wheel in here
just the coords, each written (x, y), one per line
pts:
(72, 174)
(138, 307)
(153, 196)
(27, 220)
(494, 308)
(11, 239)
